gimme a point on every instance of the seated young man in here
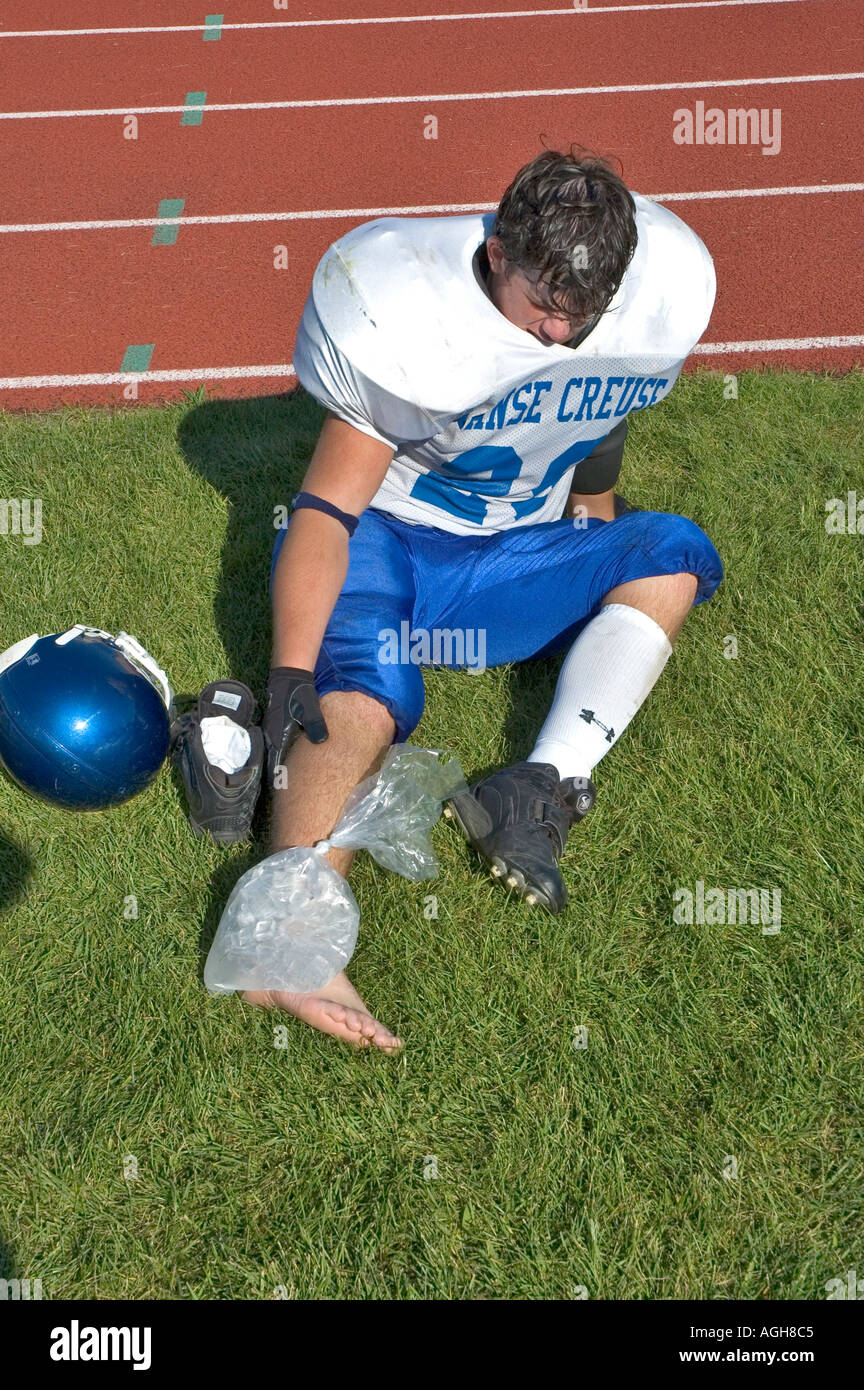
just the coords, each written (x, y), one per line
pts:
(478, 374)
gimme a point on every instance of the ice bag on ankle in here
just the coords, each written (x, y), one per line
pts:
(291, 922)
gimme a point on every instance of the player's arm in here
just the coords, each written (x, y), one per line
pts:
(600, 504)
(347, 469)
(594, 479)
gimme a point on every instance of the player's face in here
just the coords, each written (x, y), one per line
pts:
(522, 301)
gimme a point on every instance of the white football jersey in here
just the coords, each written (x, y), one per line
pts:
(488, 424)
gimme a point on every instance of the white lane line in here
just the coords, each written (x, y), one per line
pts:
(847, 340)
(26, 383)
(392, 19)
(430, 98)
(335, 214)
(788, 190)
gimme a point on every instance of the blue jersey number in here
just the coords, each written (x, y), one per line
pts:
(462, 489)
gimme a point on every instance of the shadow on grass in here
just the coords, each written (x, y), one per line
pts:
(254, 452)
(15, 869)
(224, 878)
(532, 686)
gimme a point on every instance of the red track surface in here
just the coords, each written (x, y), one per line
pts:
(788, 267)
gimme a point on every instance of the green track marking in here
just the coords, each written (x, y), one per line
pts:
(137, 356)
(213, 27)
(194, 113)
(168, 207)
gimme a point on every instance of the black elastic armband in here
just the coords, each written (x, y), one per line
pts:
(308, 499)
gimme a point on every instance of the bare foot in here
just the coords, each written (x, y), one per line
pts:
(336, 1009)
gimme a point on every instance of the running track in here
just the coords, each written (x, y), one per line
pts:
(313, 120)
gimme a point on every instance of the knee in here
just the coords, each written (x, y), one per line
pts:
(356, 707)
(681, 587)
(677, 541)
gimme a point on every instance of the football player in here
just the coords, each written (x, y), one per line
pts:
(478, 374)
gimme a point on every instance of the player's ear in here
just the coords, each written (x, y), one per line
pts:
(495, 252)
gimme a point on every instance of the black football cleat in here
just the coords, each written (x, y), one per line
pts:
(518, 820)
(221, 804)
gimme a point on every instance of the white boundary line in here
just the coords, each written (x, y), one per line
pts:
(335, 214)
(430, 98)
(790, 189)
(25, 383)
(848, 340)
(390, 19)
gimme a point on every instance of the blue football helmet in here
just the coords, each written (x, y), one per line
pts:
(84, 717)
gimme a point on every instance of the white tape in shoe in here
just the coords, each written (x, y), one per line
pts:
(226, 744)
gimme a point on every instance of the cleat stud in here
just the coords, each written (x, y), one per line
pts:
(495, 871)
(531, 899)
(511, 881)
(448, 813)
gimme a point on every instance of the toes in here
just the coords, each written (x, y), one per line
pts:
(337, 1013)
(330, 1016)
(352, 1019)
(370, 1031)
(359, 1028)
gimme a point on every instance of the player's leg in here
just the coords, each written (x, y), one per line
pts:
(318, 780)
(365, 705)
(617, 594)
(610, 671)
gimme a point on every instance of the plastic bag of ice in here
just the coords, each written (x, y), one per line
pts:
(291, 921)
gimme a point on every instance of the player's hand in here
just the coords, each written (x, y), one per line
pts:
(292, 707)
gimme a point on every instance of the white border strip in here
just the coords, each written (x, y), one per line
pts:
(24, 383)
(336, 214)
(392, 19)
(199, 374)
(848, 340)
(805, 188)
(430, 98)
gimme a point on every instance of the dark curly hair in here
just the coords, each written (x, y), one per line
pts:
(569, 223)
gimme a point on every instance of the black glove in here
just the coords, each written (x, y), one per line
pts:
(292, 706)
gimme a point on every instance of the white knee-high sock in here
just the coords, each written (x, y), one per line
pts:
(607, 674)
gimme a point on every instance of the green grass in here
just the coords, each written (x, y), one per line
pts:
(602, 1167)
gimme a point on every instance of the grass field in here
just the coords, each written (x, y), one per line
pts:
(493, 1159)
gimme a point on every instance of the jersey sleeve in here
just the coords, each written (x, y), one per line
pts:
(329, 376)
